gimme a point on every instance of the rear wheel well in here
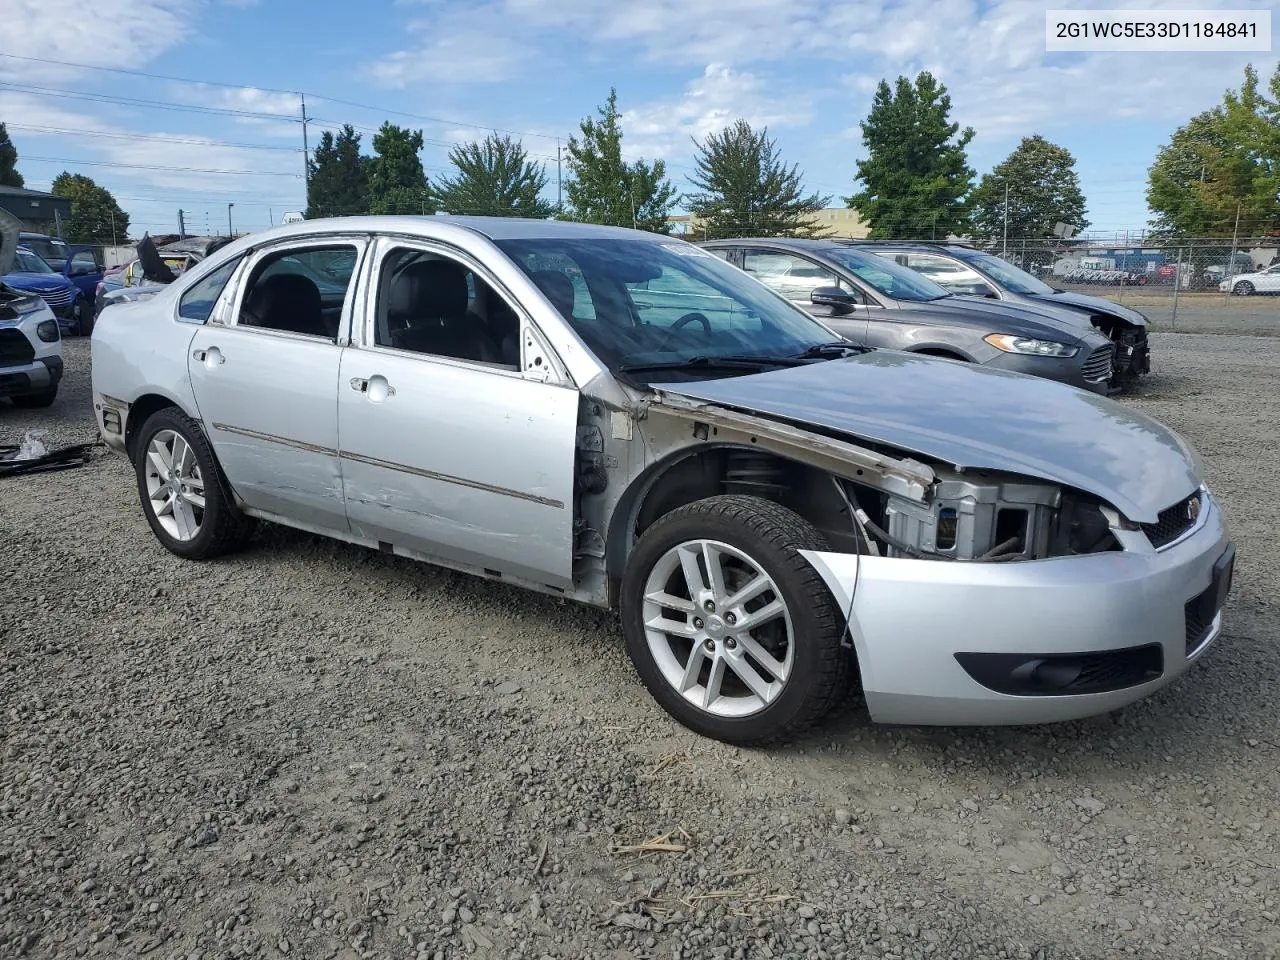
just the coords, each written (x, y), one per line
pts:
(139, 412)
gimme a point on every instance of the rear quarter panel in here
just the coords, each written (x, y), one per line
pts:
(139, 349)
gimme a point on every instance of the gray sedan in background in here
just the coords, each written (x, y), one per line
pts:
(876, 302)
(966, 271)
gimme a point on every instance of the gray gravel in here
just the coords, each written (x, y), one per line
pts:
(314, 750)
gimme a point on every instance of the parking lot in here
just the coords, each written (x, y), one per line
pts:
(316, 750)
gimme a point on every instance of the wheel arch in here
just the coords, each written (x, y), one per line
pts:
(141, 409)
(707, 470)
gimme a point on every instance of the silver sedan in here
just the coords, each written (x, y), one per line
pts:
(625, 420)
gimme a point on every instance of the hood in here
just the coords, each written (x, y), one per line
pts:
(975, 417)
(993, 317)
(1095, 305)
(37, 282)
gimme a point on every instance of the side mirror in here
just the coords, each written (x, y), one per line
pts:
(840, 301)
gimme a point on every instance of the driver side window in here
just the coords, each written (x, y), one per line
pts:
(300, 291)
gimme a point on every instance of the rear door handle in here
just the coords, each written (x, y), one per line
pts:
(208, 357)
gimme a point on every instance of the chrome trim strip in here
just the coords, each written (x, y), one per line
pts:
(390, 465)
(448, 478)
(272, 438)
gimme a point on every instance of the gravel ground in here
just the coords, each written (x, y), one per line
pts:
(316, 750)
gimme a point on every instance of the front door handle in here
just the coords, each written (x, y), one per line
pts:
(359, 385)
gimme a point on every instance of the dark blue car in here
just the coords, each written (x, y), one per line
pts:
(79, 265)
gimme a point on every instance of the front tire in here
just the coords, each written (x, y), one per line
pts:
(731, 630)
(1243, 289)
(182, 490)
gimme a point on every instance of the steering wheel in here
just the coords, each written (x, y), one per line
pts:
(682, 322)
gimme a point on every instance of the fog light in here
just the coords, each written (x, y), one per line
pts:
(47, 330)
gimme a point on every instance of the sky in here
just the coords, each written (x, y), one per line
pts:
(456, 70)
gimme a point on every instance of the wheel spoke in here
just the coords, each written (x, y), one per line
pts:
(195, 498)
(165, 508)
(692, 668)
(181, 453)
(673, 628)
(754, 618)
(184, 519)
(715, 572)
(749, 591)
(762, 656)
(714, 679)
(747, 674)
(666, 600)
(157, 460)
(692, 574)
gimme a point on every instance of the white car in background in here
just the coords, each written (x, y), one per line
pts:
(30, 341)
(1247, 284)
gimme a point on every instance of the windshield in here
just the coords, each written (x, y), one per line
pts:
(54, 251)
(1007, 275)
(637, 302)
(27, 262)
(886, 277)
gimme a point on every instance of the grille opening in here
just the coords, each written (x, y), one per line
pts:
(1098, 366)
(1012, 523)
(946, 535)
(1174, 521)
(15, 348)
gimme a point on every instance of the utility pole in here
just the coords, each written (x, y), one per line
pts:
(1235, 234)
(559, 181)
(114, 241)
(306, 155)
(271, 216)
(1004, 245)
(182, 226)
(230, 233)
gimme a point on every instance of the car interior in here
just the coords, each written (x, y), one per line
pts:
(300, 291)
(434, 305)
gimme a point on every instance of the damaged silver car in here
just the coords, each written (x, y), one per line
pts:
(780, 517)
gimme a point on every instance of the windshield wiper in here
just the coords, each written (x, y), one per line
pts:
(841, 348)
(729, 362)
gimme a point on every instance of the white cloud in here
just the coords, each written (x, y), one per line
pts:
(709, 104)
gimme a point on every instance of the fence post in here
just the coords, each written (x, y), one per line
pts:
(1177, 283)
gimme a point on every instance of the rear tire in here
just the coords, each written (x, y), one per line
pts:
(84, 318)
(31, 401)
(184, 495)
(748, 671)
(1243, 289)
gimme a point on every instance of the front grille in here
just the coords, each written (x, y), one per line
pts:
(1097, 368)
(15, 349)
(1174, 521)
(56, 298)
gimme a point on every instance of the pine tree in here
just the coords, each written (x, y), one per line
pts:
(339, 177)
(916, 176)
(397, 182)
(1043, 190)
(9, 175)
(495, 179)
(605, 189)
(746, 189)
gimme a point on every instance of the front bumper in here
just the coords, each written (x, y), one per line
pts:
(909, 619)
(1069, 370)
(35, 377)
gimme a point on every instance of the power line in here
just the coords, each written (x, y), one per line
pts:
(153, 104)
(143, 166)
(156, 139)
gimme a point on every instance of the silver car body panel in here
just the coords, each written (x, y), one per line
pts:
(976, 418)
(476, 467)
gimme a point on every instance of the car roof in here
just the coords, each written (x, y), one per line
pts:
(782, 243)
(495, 228)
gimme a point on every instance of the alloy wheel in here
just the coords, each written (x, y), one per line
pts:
(718, 628)
(175, 489)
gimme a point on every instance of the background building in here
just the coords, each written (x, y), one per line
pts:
(39, 212)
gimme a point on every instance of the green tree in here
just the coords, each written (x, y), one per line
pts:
(1223, 161)
(95, 215)
(746, 189)
(397, 182)
(339, 177)
(9, 175)
(1043, 190)
(916, 174)
(602, 188)
(495, 179)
